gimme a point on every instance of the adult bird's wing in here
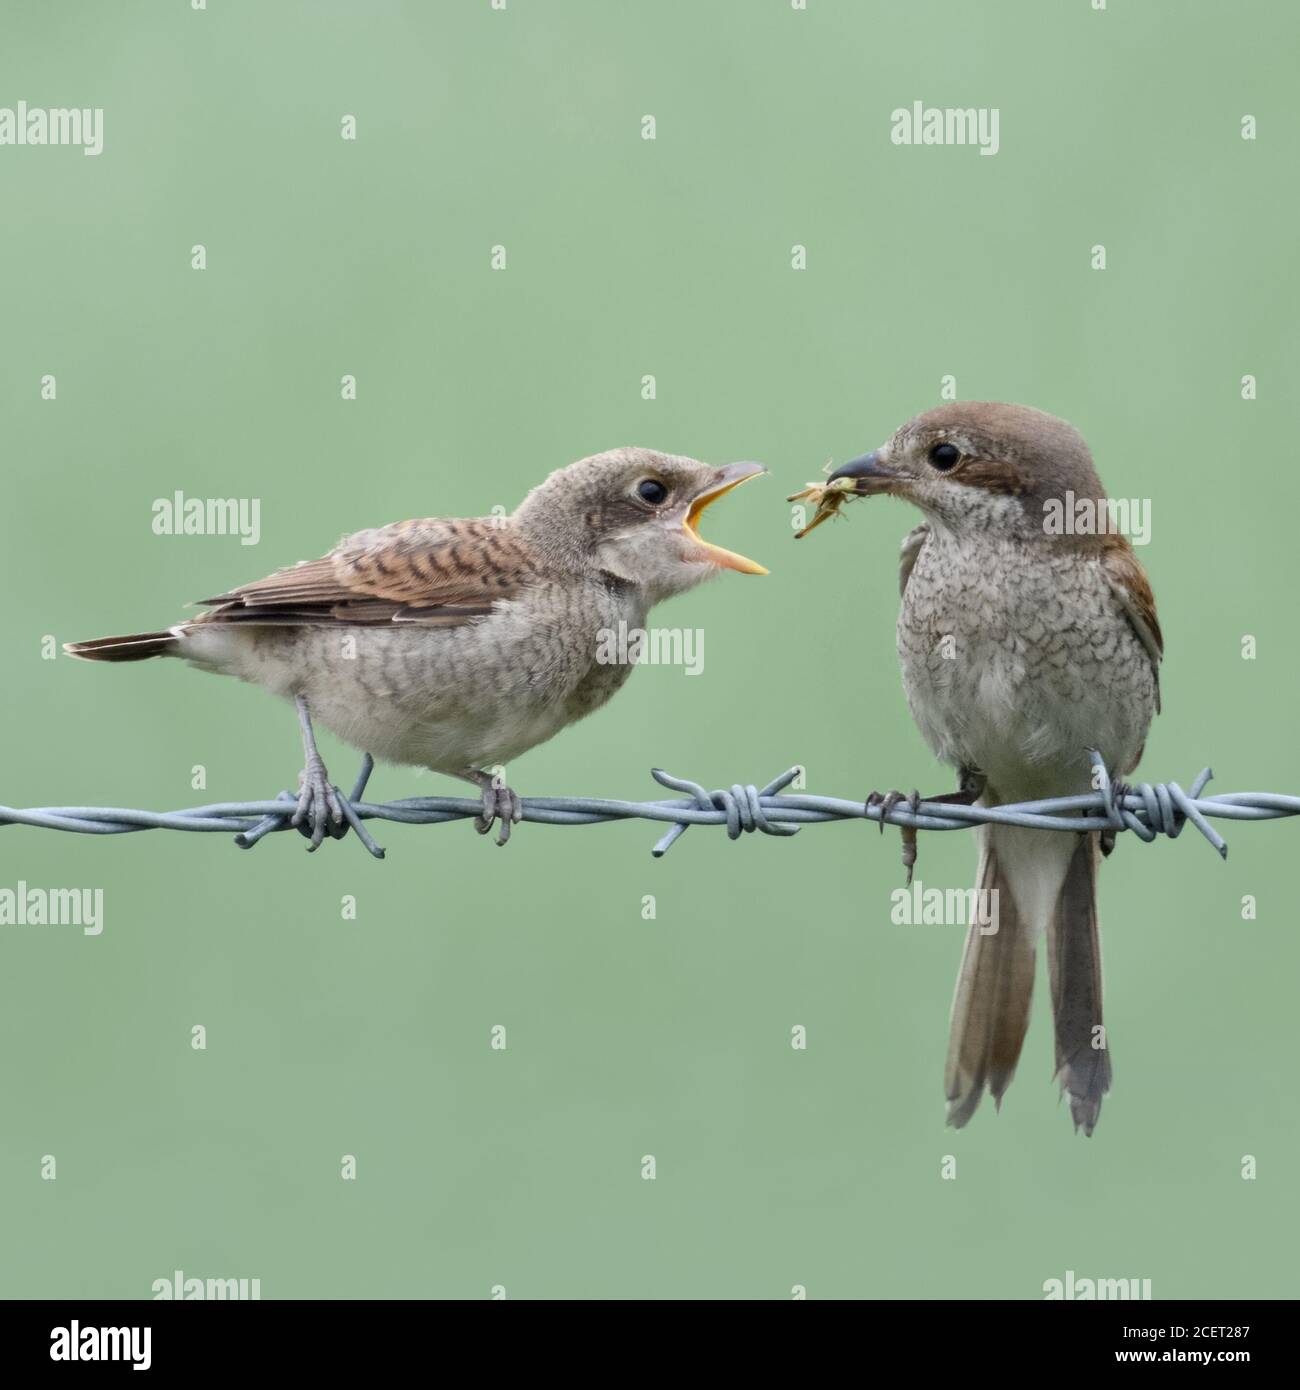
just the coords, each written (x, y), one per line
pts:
(1129, 583)
(430, 572)
(912, 543)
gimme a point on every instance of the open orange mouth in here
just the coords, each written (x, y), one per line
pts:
(729, 477)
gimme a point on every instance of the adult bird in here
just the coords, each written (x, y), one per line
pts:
(1024, 645)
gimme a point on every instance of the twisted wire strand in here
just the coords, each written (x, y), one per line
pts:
(1148, 810)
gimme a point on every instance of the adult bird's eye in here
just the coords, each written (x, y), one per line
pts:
(945, 456)
(652, 491)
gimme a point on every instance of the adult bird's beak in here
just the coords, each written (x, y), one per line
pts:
(867, 473)
(723, 481)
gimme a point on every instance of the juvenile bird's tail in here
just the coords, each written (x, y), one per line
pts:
(1029, 881)
(138, 647)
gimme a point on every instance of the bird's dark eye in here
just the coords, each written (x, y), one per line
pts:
(945, 456)
(651, 490)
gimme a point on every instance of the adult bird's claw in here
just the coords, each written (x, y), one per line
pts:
(1106, 840)
(887, 802)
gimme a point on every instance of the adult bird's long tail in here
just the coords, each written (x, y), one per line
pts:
(1074, 965)
(1043, 881)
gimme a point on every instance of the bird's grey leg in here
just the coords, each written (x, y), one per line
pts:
(971, 788)
(318, 802)
(500, 804)
(887, 801)
(1106, 839)
(971, 783)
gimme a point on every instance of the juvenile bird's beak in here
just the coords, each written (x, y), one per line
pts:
(868, 474)
(723, 481)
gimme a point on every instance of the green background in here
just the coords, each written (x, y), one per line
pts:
(629, 1037)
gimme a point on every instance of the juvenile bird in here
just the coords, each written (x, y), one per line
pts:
(1022, 648)
(456, 644)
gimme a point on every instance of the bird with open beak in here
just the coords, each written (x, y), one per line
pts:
(1022, 649)
(459, 644)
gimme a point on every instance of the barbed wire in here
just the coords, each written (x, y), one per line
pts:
(1147, 809)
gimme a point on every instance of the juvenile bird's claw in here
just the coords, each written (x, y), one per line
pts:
(318, 810)
(502, 806)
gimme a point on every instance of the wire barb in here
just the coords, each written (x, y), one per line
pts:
(1148, 810)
